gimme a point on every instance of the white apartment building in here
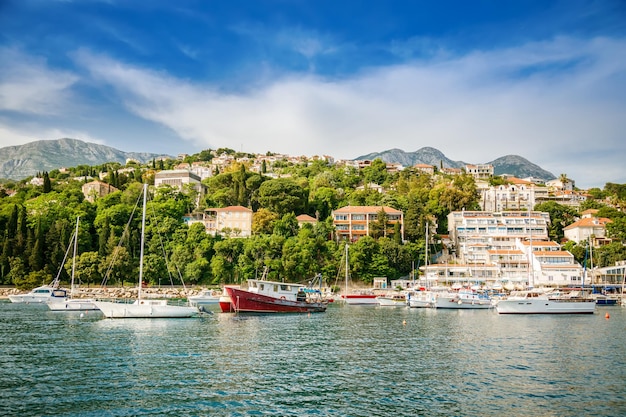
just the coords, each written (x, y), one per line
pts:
(517, 194)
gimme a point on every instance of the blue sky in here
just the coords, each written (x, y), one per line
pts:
(475, 79)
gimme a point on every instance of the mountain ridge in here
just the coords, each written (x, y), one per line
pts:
(22, 161)
(515, 165)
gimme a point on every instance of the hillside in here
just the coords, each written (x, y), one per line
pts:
(18, 162)
(510, 164)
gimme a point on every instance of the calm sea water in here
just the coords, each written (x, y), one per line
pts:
(349, 361)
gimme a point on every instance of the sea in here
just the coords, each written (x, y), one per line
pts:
(347, 361)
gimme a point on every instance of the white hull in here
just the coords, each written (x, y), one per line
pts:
(355, 300)
(542, 306)
(464, 301)
(74, 304)
(391, 302)
(39, 295)
(204, 300)
(148, 309)
(421, 299)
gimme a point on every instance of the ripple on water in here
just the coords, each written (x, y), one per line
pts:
(347, 361)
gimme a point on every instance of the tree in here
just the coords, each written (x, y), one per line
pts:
(282, 196)
(47, 187)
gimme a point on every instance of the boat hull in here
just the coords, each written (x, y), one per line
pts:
(39, 295)
(243, 301)
(72, 305)
(391, 302)
(463, 301)
(144, 309)
(361, 299)
(542, 306)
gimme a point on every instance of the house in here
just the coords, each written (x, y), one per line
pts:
(588, 227)
(425, 168)
(353, 222)
(178, 178)
(480, 171)
(304, 219)
(234, 221)
(96, 189)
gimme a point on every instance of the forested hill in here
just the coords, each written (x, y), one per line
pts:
(18, 162)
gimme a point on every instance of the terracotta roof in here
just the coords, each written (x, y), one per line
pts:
(589, 222)
(367, 209)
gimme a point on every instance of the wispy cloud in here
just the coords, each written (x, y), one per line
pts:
(29, 85)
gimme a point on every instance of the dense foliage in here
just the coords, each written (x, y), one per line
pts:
(37, 223)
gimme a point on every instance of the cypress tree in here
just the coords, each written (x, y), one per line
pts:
(47, 186)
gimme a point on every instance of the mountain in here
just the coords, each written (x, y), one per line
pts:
(17, 162)
(519, 167)
(511, 164)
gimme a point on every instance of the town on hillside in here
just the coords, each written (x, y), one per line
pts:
(498, 235)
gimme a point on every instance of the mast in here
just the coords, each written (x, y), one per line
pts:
(346, 268)
(74, 257)
(143, 229)
(426, 255)
(531, 278)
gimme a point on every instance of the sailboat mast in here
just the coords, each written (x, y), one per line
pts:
(346, 269)
(74, 257)
(143, 230)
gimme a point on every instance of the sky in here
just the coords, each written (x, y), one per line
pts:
(543, 79)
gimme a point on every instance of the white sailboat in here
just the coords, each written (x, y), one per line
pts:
(70, 303)
(144, 308)
(363, 297)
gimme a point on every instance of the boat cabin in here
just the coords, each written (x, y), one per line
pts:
(282, 290)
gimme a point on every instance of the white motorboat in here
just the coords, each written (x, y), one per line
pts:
(536, 301)
(392, 300)
(43, 294)
(205, 299)
(144, 308)
(463, 299)
(421, 299)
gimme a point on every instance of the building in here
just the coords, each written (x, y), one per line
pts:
(353, 222)
(178, 178)
(480, 171)
(96, 189)
(305, 218)
(588, 228)
(510, 247)
(516, 194)
(233, 221)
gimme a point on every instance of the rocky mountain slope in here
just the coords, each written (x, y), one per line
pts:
(17, 162)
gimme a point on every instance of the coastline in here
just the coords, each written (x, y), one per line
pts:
(119, 292)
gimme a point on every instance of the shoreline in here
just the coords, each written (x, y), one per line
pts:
(119, 292)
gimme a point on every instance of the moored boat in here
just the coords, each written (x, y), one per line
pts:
(205, 299)
(421, 299)
(274, 297)
(392, 300)
(69, 302)
(463, 299)
(537, 301)
(144, 308)
(43, 294)
(361, 298)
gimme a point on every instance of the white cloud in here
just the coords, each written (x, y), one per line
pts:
(14, 136)
(28, 85)
(547, 101)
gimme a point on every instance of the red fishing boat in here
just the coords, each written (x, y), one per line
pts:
(275, 297)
